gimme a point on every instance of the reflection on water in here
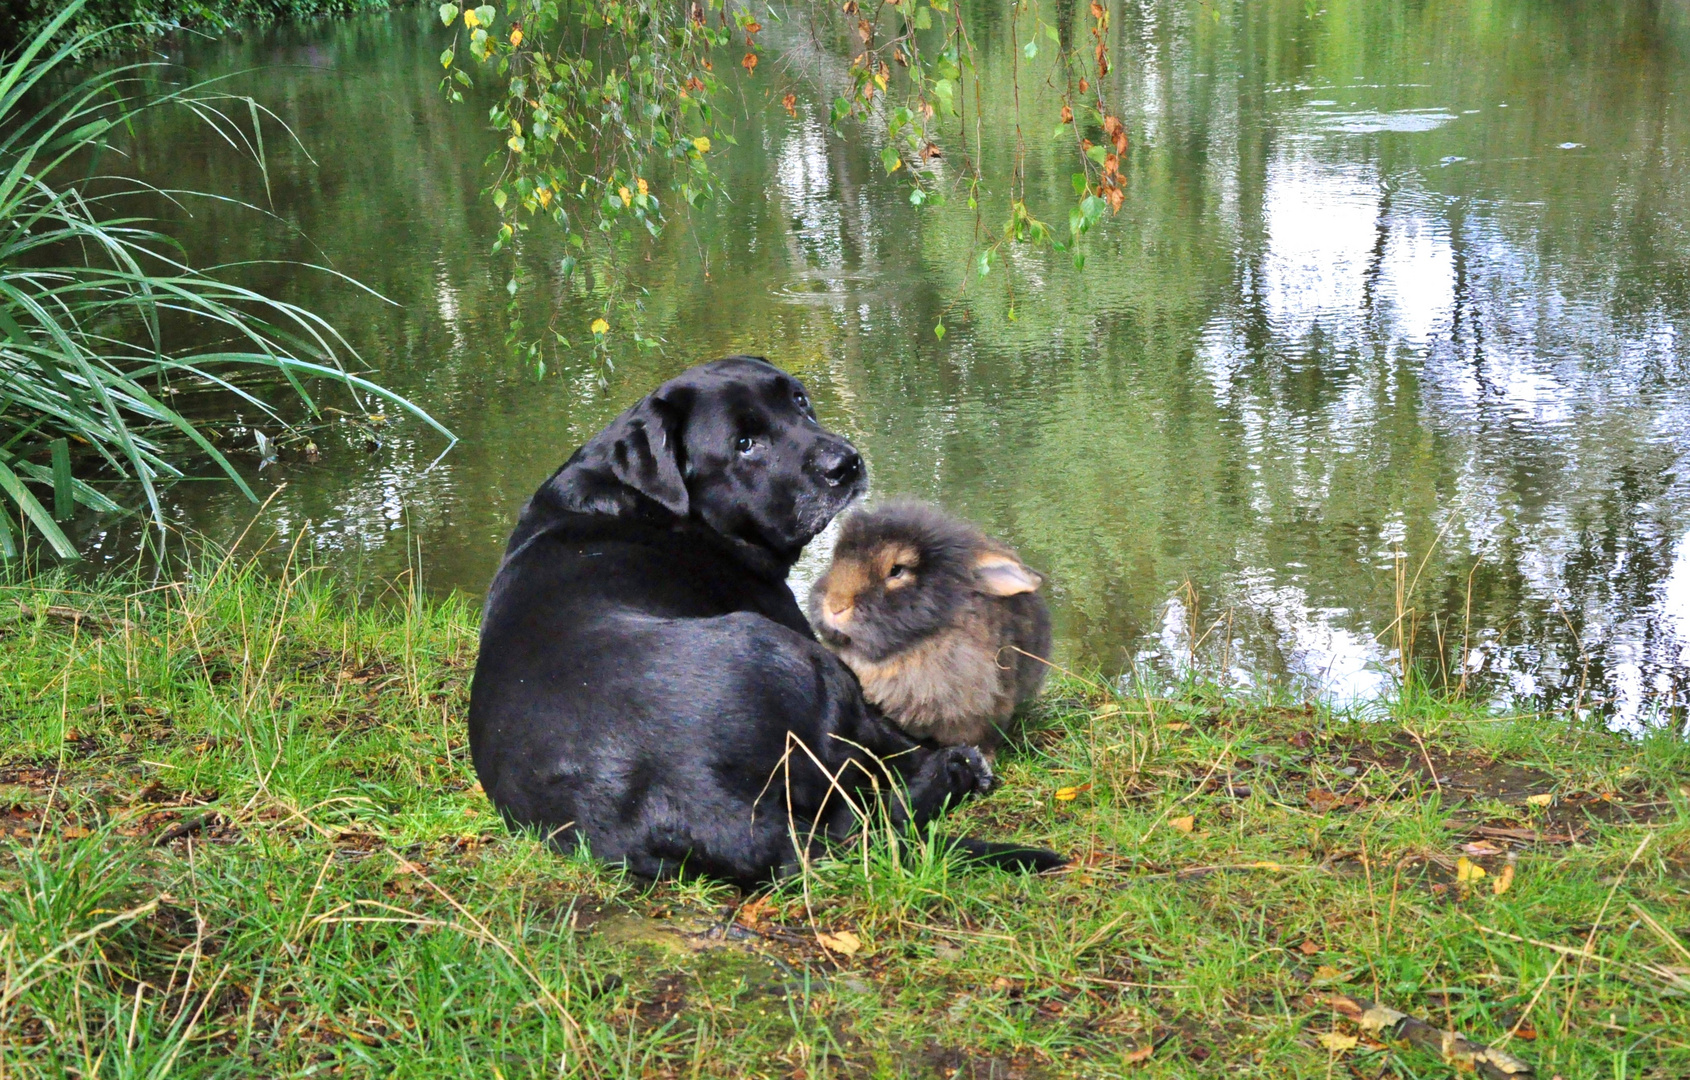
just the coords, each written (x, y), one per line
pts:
(1397, 287)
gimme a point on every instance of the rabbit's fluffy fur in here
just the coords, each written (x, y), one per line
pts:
(936, 619)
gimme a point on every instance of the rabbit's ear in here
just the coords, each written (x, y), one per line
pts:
(1000, 575)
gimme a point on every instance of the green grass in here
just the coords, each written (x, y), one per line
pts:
(240, 836)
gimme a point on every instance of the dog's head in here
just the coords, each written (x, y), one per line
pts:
(734, 444)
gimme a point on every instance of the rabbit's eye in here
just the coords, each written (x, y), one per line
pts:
(896, 573)
(744, 444)
(799, 398)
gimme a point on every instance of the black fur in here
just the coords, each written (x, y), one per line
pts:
(647, 683)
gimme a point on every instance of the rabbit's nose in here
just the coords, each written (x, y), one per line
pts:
(839, 611)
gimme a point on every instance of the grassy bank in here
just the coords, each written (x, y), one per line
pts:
(240, 836)
(140, 20)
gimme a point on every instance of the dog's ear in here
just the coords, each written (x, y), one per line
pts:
(644, 451)
(640, 451)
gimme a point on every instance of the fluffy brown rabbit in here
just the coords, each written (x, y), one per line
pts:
(936, 619)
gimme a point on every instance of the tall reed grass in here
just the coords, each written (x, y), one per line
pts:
(100, 310)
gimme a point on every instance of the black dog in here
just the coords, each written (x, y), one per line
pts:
(647, 682)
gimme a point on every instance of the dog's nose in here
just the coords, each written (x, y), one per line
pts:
(839, 466)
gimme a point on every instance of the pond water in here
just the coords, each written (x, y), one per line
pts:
(1397, 287)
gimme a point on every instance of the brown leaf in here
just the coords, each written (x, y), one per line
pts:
(790, 103)
(1143, 1053)
(1084, 86)
(753, 27)
(1096, 10)
(1320, 800)
(1308, 948)
(75, 832)
(1503, 880)
(845, 943)
(1482, 847)
(749, 63)
(1184, 824)
(1116, 197)
(1327, 971)
(1067, 115)
(865, 30)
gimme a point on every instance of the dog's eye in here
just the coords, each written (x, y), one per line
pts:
(798, 396)
(744, 444)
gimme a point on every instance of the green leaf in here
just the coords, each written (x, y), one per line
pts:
(939, 330)
(448, 14)
(486, 14)
(500, 198)
(1097, 154)
(446, 58)
(923, 19)
(64, 492)
(889, 158)
(1030, 50)
(1050, 32)
(1080, 184)
(567, 266)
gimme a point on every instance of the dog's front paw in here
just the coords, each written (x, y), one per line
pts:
(968, 771)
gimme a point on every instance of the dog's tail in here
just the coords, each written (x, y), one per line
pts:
(1008, 856)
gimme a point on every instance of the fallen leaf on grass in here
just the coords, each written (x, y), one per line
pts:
(1467, 871)
(1183, 824)
(1481, 847)
(1539, 800)
(75, 832)
(1069, 794)
(1327, 972)
(1308, 948)
(1107, 710)
(844, 942)
(1141, 1054)
(1504, 879)
(1338, 1043)
(1176, 727)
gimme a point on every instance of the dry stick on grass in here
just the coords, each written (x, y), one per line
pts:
(1460, 1051)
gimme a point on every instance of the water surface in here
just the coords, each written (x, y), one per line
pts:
(1396, 285)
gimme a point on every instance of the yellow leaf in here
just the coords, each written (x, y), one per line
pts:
(1337, 1043)
(844, 943)
(1069, 794)
(1184, 824)
(544, 195)
(1540, 800)
(1264, 865)
(516, 36)
(880, 81)
(1327, 971)
(624, 194)
(641, 184)
(599, 326)
(1466, 870)
(1503, 880)
(471, 19)
(1176, 727)
(1107, 710)
(75, 832)
(701, 144)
